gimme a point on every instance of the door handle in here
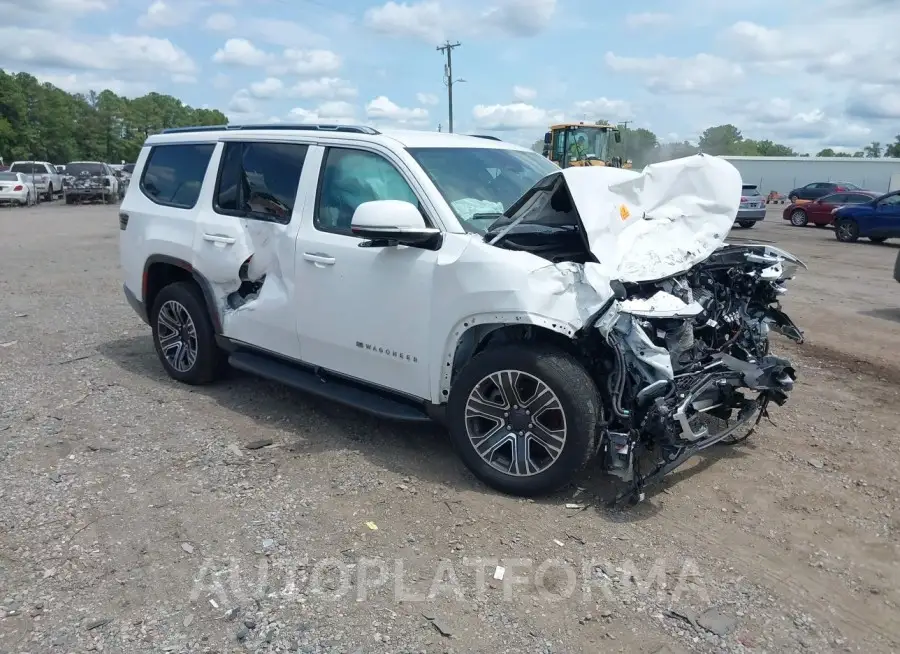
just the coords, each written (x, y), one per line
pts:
(218, 238)
(319, 258)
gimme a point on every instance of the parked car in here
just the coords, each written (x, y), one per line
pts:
(90, 181)
(380, 270)
(753, 206)
(877, 220)
(17, 188)
(47, 179)
(816, 190)
(821, 212)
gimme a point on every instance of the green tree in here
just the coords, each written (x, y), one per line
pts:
(873, 150)
(721, 140)
(41, 121)
(768, 148)
(893, 150)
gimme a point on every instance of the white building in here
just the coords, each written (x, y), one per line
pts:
(782, 174)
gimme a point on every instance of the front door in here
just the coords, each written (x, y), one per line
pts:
(363, 312)
(886, 222)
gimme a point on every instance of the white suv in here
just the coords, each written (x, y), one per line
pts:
(47, 180)
(544, 316)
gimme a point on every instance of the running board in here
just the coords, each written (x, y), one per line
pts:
(330, 388)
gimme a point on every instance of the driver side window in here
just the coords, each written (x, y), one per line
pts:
(889, 201)
(351, 177)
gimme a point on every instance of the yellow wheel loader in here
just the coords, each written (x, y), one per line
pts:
(582, 144)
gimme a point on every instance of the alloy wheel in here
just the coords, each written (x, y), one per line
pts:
(845, 231)
(798, 219)
(177, 336)
(515, 423)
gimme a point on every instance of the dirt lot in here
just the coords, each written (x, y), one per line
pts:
(133, 517)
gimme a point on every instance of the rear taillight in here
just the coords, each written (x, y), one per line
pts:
(839, 188)
(18, 187)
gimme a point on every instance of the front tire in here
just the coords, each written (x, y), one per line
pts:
(524, 418)
(846, 231)
(50, 193)
(183, 335)
(799, 218)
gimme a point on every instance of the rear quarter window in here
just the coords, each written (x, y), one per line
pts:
(173, 174)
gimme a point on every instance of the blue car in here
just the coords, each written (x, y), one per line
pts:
(877, 220)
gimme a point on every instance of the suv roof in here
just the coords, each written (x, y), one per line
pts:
(407, 138)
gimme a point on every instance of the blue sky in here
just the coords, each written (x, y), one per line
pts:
(826, 77)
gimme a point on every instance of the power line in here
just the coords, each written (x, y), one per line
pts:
(447, 49)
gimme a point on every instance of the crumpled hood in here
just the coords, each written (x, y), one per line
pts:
(644, 226)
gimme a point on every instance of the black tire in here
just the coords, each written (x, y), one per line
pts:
(846, 231)
(878, 239)
(793, 198)
(50, 193)
(580, 405)
(210, 360)
(747, 224)
(799, 218)
(70, 199)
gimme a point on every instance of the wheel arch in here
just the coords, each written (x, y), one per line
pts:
(160, 270)
(477, 333)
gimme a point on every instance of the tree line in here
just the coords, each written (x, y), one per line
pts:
(643, 147)
(42, 122)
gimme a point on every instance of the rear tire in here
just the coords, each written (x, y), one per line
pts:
(183, 335)
(846, 231)
(799, 218)
(747, 224)
(878, 239)
(525, 453)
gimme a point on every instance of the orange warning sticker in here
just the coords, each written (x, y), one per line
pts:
(623, 212)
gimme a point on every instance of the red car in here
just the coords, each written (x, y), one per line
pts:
(819, 212)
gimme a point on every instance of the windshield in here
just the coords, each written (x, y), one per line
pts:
(848, 185)
(583, 143)
(9, 177)
(751, 190)
(76, 169)
(480, 184)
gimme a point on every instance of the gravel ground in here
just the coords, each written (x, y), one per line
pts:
(135, 518)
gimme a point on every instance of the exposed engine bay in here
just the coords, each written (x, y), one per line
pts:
(682, 359)
(684, 363)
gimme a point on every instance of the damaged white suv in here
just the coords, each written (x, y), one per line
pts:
(547, 317)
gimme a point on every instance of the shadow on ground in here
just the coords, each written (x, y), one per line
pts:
(422, 451)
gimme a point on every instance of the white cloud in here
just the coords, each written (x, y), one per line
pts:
(510, 117)
(242, 103)
(427, 99)
(329, 112)
(875, 102)
(219, 22)
(524, 94)
(240, 52)
(324, 88)
(308, 62)
(604, 109)
(382, 109)
(433, 21)
(830, 48)
(701, 73)
(85, 82)
(34, 12)
(647, 19)
(270, 87)
(160, 14)
(128, 55)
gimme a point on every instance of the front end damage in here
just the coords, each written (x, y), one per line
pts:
(678, 335)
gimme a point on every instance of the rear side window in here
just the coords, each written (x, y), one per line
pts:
(858, 198)
(29, 168)
(259, 180)
(837, 198)
(173, 174)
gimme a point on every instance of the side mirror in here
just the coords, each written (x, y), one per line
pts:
(547, 138)
(386, 223)
(618, 137)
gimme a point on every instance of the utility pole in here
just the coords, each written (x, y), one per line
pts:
(447, 49)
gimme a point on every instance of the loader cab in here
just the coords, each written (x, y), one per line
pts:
(581, 144)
